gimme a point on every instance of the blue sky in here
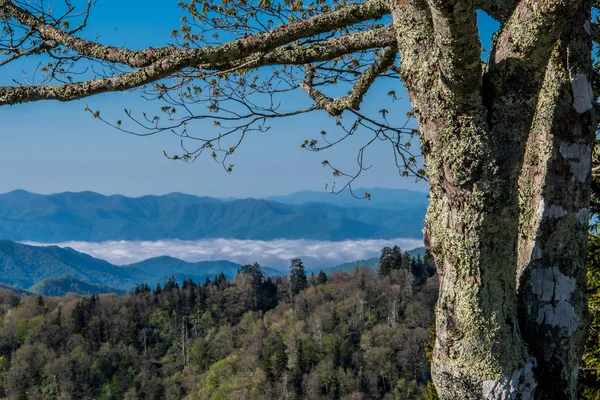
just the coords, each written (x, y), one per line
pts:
(50, 147)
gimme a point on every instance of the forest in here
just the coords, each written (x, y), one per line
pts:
(363, 335)
(344, 336)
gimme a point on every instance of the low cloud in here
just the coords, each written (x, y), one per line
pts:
(273, 253)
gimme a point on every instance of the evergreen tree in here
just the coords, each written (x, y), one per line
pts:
(298, 280)
(405, 261)
(220, 280)
(429, 263)
(321, 278)
(171, 284)
(391, 259)
(255, 271)
(385, 262)
(418, 270)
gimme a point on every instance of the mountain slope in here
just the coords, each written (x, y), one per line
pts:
(53, 270)
(393, 199)
(23, 266)
(67, 284)
(370, 263)
(88, 216)
(12, 290)
(161, 268)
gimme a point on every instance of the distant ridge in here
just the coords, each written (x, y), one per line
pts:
(64, 285)
(369, 263)
(89, 216)
(55, 271)
(392, 199)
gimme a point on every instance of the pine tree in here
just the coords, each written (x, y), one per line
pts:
(386, 262)
(298, 278)
(321, 278)
(405, 261)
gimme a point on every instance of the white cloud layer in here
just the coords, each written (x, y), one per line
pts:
(273, 253)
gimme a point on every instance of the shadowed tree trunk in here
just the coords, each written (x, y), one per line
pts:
(506, 143)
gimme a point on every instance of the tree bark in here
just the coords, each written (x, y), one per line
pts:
(554, 196)
(478, 138)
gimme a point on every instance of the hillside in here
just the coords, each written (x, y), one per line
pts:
(11, 290)
(89, 216)
(55, 271)
(23, 266)
(45, 269)
(392, 199)
(370, 263)
(67, 284)
(161, 268)
(352, 337)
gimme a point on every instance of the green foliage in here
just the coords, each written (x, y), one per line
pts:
(589, 382)
(67, 284)
(351, 336)
(298, 280)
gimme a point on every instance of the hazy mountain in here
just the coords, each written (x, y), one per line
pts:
(89, 216)
(12, 290)
(23, 266)
(349, 266)
(370, 263)
(52, 270)
(392, 199)
(148, 270)
(67, 284)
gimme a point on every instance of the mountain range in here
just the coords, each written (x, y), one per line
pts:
(56, 271)
(24, 266)
(389, 199)
(88, 216)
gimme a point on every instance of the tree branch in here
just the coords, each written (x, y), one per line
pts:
(500, 10)
(177, 60)
(321, 51)
(353, 99)
(456, 36)
(49, 33)
(531, 33)
(595, 32)
(234, 50)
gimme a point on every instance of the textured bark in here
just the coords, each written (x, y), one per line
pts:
(554, 198)
(474, 148)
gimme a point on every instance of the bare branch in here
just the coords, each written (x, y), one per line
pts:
(351, 101)
(321, 51)
(54, 36)
(500, 10)
(233, 51)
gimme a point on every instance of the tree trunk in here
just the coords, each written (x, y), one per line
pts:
(493, 150)
(554, 198)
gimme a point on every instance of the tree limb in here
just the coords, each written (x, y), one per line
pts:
(321, 51)
(353, 99)
(55, 36)
(234, 50)
(456, 36)
(500, 10)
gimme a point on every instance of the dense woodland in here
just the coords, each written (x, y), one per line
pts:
(364, 335)
(345, 336)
